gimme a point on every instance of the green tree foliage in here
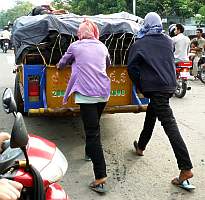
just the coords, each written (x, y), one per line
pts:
(200, 17)
(202, 11)
(180, 8)
(61, 4)
(129, 6)
(21, 8)
(93, 7)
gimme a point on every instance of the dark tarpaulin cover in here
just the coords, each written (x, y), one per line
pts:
(31, 30)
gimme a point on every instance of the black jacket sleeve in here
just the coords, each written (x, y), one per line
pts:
(134, 60)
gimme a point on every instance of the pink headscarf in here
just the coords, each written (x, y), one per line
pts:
(88, 30)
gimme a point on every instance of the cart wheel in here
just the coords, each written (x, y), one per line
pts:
(17, 96)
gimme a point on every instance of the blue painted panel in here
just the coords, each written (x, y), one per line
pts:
(136, 100)
(38, 70)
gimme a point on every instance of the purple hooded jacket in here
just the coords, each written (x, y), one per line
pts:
(89, 58)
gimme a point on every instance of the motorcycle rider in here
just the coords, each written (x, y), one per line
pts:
(181, 44)
(199, 50)
(5, 35)
(200, 40)
(9, 190)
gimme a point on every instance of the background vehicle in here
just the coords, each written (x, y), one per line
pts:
(39, 86)
(201, 69)
(182, 75)
(5, 45)
(31, 160)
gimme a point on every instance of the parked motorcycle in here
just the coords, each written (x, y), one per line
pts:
(201, 69)
(182, 75)
(31, 160)
(5, 45)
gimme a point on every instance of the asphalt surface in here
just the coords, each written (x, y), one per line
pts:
(130, 177)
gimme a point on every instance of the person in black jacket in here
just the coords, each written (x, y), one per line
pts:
(151, 64)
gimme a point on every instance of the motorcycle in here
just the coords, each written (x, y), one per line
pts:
(182, 75)
(5, 45)
(201, 69)
(31, 160)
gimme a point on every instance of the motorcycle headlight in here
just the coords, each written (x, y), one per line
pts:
(56, 169)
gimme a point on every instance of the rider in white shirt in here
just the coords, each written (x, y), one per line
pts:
(181, 44)
(6, 34)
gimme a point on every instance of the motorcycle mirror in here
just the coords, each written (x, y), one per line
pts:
(19, 135)
(8, 101)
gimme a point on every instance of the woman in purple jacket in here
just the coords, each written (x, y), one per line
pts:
(91, 86)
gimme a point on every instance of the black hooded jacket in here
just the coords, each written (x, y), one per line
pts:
(151, 63)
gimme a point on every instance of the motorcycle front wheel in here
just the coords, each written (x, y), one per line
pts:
(201, 75)
(4, 49)
(181, 88)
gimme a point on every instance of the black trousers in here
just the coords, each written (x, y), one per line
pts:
(90, 114)
(159, 108)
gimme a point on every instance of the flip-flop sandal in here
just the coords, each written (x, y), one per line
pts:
(100, 188)
(183, 184)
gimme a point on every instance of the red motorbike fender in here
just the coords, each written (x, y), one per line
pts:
(55, 191)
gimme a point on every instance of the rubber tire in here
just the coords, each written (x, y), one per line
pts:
(202, 78)
(17, 95)
(183, 89)
(4, 49)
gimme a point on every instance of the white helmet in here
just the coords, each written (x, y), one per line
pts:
(171, 30)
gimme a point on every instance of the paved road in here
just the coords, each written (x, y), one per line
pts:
(130, 177)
